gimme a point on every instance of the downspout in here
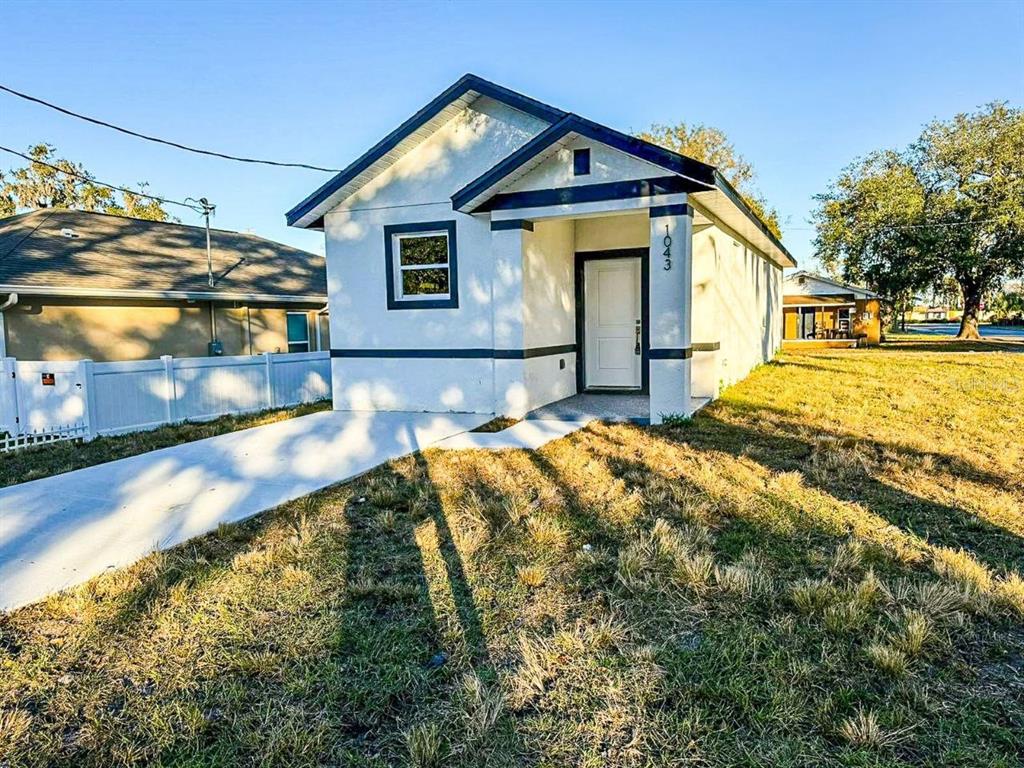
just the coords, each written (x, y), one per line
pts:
(12, 299)
(248, 329)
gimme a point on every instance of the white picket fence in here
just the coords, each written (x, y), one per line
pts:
(42, 401)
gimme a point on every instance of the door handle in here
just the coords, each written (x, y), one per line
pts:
(636, 346)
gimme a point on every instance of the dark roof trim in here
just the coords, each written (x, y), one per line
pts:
(672, 161)
(729, 191)
(129, 293)
(461, 86)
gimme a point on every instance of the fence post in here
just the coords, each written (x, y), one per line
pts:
(9, 396)
(170, 391)
(269, 367)
(88, 375)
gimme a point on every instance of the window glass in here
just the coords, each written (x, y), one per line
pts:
(423, 268)
(429, 249)
(425, 282)
(298, 332)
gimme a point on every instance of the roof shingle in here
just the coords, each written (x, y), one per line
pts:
(116, 253)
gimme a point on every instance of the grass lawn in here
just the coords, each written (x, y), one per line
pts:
(46, 460)
(820, 569)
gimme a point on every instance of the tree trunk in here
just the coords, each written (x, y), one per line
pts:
(972, 308)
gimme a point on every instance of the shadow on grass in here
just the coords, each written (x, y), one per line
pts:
(299, 642)
(784, 451)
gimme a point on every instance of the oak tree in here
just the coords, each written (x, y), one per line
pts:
(52, 182)
(949, 205)
(710, 145)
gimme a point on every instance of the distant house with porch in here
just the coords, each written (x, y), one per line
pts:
(79, 285)
(820, 311)
(495, 254)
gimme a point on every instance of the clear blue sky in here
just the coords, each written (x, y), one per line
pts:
(801, 88)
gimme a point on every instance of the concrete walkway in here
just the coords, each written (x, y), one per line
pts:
(63, 530)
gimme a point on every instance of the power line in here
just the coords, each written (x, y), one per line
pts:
(84, 177)
(174, 144)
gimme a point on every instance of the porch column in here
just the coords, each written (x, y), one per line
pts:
(510, 394)
(669, 300)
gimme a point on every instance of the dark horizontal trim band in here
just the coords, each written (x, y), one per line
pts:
(526, 354)
(684, 353)
(590, 193)
(707, 346)
(478, 353)
(679, 209)
(498, 226)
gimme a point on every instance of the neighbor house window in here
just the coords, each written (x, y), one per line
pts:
(421, 265)
(298, 332)
(581, 162)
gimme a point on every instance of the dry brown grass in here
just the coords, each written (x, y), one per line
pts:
(822, 568)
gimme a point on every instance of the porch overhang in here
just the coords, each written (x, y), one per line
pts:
(702, 183)
(478, 196)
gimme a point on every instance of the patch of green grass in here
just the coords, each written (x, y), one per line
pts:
(45, 460)
(497, 424)
(821, 568)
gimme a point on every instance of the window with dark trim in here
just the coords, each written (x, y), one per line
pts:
(581, 162)
(298, 331)
(421, 263)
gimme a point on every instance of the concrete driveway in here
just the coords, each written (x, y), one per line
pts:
(63, 530)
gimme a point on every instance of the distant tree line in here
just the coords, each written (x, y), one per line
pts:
(53, 182)
(948, 207)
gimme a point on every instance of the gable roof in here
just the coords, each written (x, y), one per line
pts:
(704, 181)
(117, 256)
(798, 278)
(472, 197)
(451, 101)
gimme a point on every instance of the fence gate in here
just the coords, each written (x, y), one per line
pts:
(51, 394)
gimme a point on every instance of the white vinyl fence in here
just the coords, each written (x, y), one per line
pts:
(41, 401)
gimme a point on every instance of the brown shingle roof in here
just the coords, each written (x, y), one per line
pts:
(115, 253)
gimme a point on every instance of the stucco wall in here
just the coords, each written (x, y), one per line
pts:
(42, 331)
(66, 329)
(549, 306)
(453, 156)
(549, 310)
(608, 232)
(606, 165)
(737, 297)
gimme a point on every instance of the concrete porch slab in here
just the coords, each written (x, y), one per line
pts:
(592, 405)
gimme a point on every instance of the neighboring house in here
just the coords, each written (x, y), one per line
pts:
(821, 311)
(89, 285)
(494, 254)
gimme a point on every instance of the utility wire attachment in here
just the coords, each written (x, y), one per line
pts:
(207, 208)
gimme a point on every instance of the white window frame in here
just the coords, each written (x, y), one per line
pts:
(289, 342)
(394, 234)
(400, 268)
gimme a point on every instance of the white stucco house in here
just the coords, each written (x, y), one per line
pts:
(494, 254)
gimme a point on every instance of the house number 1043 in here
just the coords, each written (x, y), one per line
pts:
(667, 253)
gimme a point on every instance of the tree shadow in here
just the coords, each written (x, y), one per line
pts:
(783, 452)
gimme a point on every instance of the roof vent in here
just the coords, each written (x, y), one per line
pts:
(68, 232)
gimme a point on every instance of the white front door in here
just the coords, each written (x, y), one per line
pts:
(611, 295)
